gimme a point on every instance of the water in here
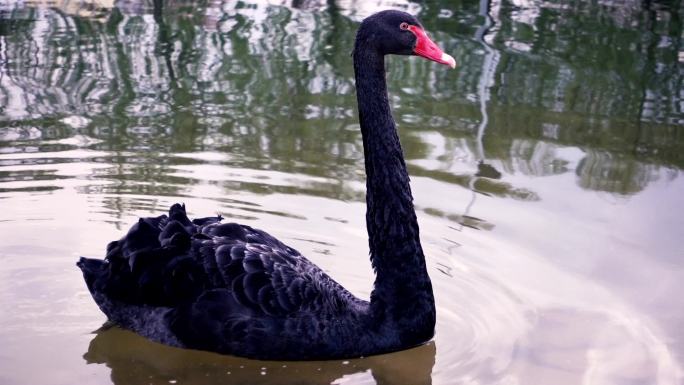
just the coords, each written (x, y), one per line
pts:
(547, 172)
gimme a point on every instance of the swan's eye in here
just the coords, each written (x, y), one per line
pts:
(404, 26)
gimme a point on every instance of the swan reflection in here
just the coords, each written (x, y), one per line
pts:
(136, 360)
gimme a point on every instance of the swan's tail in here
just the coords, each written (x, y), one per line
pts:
(92, 269)
(153, 264)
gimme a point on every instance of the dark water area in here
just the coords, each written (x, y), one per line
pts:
(546, 169)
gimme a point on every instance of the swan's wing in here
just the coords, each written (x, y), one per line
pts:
(262, 290)
(263, 274)
(170, 260)
(219, 287)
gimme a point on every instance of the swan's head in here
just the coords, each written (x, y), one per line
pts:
(399, 33)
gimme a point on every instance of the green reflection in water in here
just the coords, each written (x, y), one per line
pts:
(272, 87)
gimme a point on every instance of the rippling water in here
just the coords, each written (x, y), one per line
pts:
(546, 170)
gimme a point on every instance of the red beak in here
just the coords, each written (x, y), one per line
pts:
(428, 49)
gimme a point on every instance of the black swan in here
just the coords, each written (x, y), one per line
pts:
(233, 289)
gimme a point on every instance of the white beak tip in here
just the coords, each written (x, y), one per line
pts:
(449, 60)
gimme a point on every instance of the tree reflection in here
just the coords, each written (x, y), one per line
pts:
(271, 84)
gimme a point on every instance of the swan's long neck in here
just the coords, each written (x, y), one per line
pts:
(403, 293)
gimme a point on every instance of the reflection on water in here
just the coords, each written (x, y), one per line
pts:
(546, 170)
(176, 78)
(135, 360)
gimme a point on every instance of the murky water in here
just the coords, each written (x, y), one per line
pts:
(547, 172)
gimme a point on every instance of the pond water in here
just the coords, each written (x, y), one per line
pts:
(547, 173)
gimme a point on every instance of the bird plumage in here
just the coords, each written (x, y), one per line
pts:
(220, 287)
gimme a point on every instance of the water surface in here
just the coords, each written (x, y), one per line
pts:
(546, 170)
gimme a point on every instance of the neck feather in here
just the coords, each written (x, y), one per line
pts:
(402, 286)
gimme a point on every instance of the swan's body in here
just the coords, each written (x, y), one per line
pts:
(233, 289)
